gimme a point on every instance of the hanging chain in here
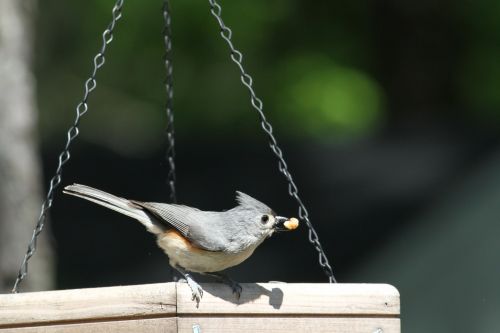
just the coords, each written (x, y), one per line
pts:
(170, 153)
(72, 133)
(257, 104)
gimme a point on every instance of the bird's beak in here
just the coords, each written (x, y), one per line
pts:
(285, 224)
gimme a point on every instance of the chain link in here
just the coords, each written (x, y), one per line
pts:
(72, 133)
(170, 153)
(246, 79)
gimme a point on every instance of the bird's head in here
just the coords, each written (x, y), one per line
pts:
(261, 219)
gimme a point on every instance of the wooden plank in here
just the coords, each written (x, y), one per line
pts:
(94, 304)
(266, 307)
(288, 325)
(293, 299)
(157, 325)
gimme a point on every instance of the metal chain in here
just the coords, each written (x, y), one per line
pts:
(72, 133)
(257, 104)
(170, 153)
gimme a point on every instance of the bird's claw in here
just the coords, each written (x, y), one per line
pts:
(197, 295)
(197, 291)
(237, 289)
(235, 286)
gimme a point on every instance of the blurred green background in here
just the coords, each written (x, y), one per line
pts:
(388, 111)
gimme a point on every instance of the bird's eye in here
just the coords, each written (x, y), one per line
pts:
(264, 218)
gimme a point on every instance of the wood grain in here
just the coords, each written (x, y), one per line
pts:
(88, 304)
(288, 325)
(293, 299)
(157, 325)
(167, 307)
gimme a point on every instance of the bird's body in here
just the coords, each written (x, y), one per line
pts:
(194, 240)
(184, 254)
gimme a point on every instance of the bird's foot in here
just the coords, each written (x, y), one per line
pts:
(237, 288)
(221, 277)
(197, 291)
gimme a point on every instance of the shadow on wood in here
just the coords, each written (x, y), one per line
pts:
(250, 293)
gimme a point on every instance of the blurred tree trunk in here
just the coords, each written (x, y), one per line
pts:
(20, 189)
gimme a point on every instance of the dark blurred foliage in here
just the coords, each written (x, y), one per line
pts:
(389, 113)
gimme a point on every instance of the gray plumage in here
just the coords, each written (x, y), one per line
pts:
(229, 231)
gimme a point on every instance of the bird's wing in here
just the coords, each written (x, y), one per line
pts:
(192, 223)
(176, 216)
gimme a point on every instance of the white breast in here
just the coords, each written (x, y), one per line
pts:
(182, 253)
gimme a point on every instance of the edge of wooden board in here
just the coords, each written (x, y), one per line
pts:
(92, 304)
(174, 299)
(293, 299)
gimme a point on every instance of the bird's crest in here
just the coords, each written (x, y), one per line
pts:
(246, 201)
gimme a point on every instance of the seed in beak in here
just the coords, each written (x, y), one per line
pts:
(291, 224)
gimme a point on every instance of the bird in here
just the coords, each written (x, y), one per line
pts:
(197, 241)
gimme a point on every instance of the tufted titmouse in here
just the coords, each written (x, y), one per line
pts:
(195, 240)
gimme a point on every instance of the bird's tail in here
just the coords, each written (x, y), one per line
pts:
(120, 205)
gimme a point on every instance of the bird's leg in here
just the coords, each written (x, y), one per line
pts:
(195, 287)
(221, 277)
(176, 277)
